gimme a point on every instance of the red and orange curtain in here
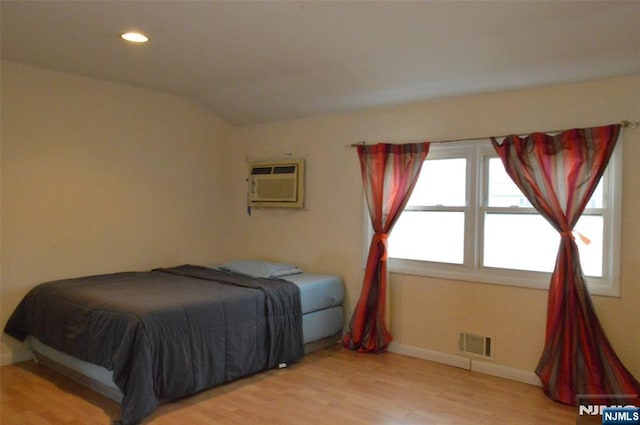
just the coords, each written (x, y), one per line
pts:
(389, 174)
(558, 174)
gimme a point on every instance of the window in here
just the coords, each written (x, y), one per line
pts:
(467, 220)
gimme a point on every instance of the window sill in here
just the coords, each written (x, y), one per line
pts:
(515, 278)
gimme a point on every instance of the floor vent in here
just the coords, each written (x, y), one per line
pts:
(475, 344)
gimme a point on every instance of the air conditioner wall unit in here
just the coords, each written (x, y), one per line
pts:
(276, 183)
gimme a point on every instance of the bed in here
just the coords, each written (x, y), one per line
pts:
(143, 338)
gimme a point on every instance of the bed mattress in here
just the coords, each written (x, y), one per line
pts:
(318, 291)
(322, 323)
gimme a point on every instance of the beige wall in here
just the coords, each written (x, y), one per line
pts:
(427, 313)
(98, 177)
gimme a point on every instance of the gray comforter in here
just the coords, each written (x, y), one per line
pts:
(166, 333)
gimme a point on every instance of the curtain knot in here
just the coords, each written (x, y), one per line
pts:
(567, 234)
(381, 239)
(571, 234)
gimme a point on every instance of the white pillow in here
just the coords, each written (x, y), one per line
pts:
(258, 268)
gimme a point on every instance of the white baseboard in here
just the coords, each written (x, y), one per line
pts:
(434, 356)
(519, 375)
(16, 357)
(474, 365)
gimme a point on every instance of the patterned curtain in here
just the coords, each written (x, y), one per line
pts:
(558, 175)
(389, 174)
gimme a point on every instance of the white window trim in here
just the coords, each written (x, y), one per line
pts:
(607, 285)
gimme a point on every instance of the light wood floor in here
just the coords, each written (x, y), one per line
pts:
(333, 386)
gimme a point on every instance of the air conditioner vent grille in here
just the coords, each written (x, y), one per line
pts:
(474, 344)
(256, 171)
(285, 169)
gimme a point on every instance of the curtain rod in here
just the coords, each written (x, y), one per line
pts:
(623, 124)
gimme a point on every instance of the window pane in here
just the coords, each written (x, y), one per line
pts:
(503, 192)
(597, 199)
(428, 236)
(441, 182)
(529, 242)
(519, 241)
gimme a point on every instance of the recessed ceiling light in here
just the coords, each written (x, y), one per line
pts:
(135, 37)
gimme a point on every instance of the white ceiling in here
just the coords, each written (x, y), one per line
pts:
(253, 62)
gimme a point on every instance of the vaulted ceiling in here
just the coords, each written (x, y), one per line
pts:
(253, 62)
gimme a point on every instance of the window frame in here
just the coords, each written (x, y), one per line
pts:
(477, 152)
